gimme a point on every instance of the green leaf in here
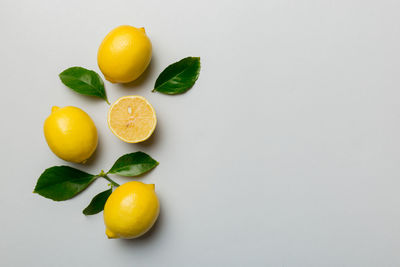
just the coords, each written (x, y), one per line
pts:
(133, 164)
(178, 77)
(97, 203)
(62, 182)
(84, 81)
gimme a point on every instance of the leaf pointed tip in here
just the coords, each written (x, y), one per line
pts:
(186, 71)
(133, 164)
(97, 204)
(83, 81)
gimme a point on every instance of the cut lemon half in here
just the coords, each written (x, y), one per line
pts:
(132, 119)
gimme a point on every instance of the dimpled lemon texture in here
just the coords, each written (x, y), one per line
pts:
(124, 54)
(131, 210)
(71, 134)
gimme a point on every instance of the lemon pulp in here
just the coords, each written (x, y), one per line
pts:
(132, 119)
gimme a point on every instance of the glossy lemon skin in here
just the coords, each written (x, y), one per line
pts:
(124, 54)
(71, 134)
(131, 210)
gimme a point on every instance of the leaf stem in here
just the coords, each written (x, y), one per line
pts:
(104, 175)
(111, 181)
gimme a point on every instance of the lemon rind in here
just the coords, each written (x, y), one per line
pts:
(123, 139)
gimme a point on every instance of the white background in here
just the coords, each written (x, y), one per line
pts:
(285, 152)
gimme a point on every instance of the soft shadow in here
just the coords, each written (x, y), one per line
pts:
(153, 139)
(90, 99)
(142, 78)
(90, 162)
(149, 236)
(96, 154)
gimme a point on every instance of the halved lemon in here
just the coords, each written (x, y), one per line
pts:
(132, 119)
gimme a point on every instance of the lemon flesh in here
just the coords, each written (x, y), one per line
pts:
(71, 134)
(132, 119)
(131, 210)
(124, 54)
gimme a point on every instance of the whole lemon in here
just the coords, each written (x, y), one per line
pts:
(70, 134)
(131, 210)
(124, 54)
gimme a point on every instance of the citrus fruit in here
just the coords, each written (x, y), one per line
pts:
(131, 210)
(70, 134)
(132, 119)
(124, 54)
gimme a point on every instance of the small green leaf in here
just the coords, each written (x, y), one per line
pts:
(62, 182)
(84, 81)
(178, 77)
(97, 203)
(133, 164)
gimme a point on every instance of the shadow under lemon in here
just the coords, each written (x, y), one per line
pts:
(141, 80)
(149, 235)
(95, 156)
(152, 141)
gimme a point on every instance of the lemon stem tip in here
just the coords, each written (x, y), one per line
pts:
(110, 234)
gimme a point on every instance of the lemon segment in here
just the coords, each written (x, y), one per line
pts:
(131, 210)
(71, 134)
(132, 119)
(124, 54)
